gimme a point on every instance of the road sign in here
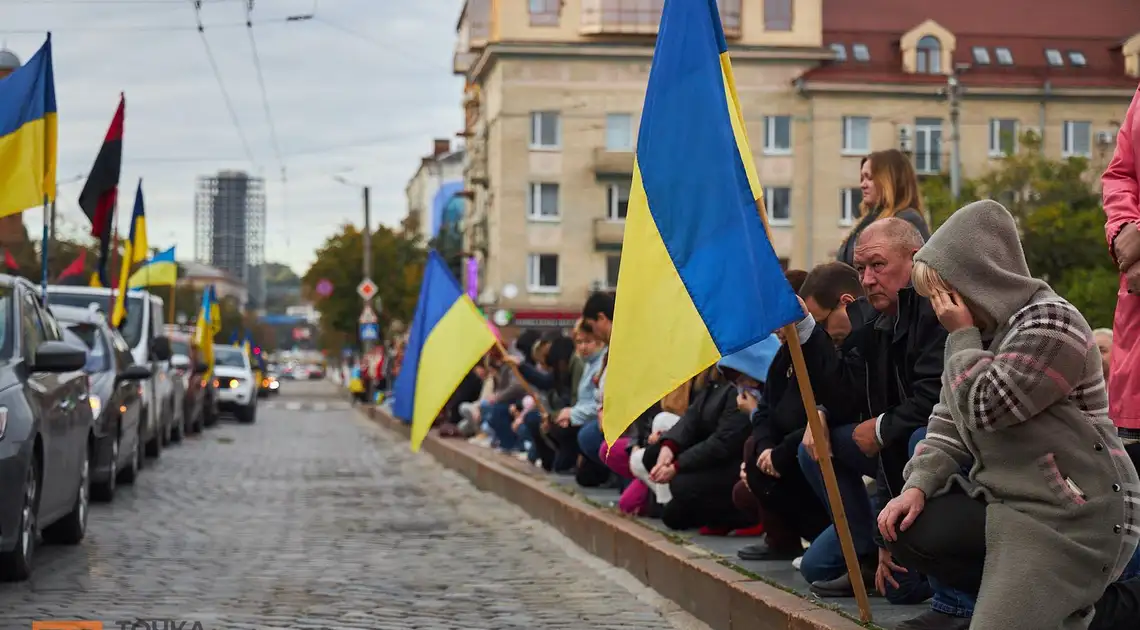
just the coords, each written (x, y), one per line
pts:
(369, 331)
(367, 289)
(324, 288)
(368, 316)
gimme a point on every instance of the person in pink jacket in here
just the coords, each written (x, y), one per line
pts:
(1121, 185)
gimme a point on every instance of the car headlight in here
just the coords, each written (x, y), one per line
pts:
(96, 404)
(234, 383)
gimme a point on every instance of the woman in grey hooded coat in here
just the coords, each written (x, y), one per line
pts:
(1021, 491)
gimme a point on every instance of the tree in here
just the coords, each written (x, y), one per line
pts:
(1060, 217)
(397, 267)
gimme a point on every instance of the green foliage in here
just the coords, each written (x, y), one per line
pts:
(1061, 220)
(397, 267)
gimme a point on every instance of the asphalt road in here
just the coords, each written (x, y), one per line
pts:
(316, 518)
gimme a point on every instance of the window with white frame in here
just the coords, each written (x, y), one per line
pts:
(613, 263)
(856, 134)
(928, 56)
(545, 12)
(542, 273)
(1076, 138)
(1003, 137)
(860, 52)
(1053, 56)
(617, 201)
(542, 202)
(1077, 58)
(779, 203)
(840, 52)
(981, 55)
(619, 132)
(777, 135)
(545, 130)
(849, 200)
(777, 15)
(1004, 57)
(928, 145)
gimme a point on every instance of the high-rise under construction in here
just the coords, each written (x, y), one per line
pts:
(229, 219)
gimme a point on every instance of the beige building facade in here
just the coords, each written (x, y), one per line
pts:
(554, 95)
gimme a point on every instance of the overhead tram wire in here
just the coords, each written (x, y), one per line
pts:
(218, 77)
(268, 113)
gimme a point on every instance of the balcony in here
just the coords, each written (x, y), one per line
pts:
(473, 32)
(642, 17)
(613, 163)
(608, 235)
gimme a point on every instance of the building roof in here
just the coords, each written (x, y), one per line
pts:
(1027, 28)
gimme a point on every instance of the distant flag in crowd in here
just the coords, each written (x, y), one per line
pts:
(207, 325)
(136, 251)
(160, 270)
(102, 188)
(73, 273)
(28, 134)
(697, 269)
(447, 337)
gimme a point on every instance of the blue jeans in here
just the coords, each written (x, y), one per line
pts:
(531, 432)
(851, 465)
(590, 440)
(498, 418)
(1133, 568)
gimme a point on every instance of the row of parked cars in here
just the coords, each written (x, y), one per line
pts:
(83, 406)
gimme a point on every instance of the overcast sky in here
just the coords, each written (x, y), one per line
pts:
(361, 89)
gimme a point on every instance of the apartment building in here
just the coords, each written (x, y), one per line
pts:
(438, 179)
(555, 87)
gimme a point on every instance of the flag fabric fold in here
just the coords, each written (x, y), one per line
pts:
(28, 134)
(160, 270)
(205, 328)
(447, 337)
(74, 271)
(10, 261)
(135, 250)
(100, 192)
(699, 278)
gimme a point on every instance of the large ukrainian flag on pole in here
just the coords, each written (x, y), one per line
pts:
(28, 134)
(699, 278)
(448, 336)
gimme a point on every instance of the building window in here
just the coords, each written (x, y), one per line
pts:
(617, 201)
(840, 52)
(779, 203)
(1076, 138)
(849, 200)
(1003, 137)
(928, 145)
(1053, 56)
(1004, 57)
(545, 12)
(928, 58)
(777, 15)
(542, 202)
(981, 56)
(1077, 58)
(613, 263)
(860, 52)
(619, 132)
(856, 134)
(777, 135)
(542, 273)
(545, 130)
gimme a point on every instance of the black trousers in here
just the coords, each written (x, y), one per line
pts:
(566, 441)
(790, 507)
(701, 498)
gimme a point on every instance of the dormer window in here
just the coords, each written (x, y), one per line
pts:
(1004, 57)
(861, 53)
(1077, 58)
(840, 52)
(1053, 56)
(929, 56)
(981, 56)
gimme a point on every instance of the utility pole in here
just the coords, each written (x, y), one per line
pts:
(954, 91)
(367, 252)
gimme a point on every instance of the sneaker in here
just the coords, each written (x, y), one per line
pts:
(934, 620)
(761, 551)
(841, 586)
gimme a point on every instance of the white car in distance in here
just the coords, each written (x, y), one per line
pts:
(234, 383)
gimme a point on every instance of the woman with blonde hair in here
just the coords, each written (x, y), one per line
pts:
(1021, 491)
(890, 189)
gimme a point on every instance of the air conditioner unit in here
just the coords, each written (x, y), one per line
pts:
(1105, 138)
(906, 138)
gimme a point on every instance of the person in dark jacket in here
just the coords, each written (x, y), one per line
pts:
(789, 508)
(699, 458)
(552, 379)
(890, 189)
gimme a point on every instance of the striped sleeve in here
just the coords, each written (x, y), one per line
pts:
(1038, 363)
(940, 454)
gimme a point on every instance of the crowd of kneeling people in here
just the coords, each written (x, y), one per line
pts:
(967, 412)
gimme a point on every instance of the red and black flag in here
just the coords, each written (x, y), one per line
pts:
(102, 187)
(73, 273)
(10, 261)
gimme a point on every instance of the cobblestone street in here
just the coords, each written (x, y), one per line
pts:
(319, 519)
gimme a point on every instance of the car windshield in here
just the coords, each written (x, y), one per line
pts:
(86, 336)
(131, 329)
(180, 347)
(228, 356)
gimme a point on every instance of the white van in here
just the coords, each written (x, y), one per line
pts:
(143, 331)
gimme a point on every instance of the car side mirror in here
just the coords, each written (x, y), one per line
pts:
(58, 356)
(160, 348)
(135, 373)
(180, 362)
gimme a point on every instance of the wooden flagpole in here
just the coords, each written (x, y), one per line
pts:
(518, 374)
(823, 455)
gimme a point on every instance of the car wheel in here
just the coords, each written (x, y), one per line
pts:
(178, 430)
(104, 491)
(138, 457)
(248, 414)
(71, 529)
(16, 565)
(154, 446)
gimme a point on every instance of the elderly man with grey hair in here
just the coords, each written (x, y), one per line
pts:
(1103, 338)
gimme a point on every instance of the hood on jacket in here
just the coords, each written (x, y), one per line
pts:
(754, 360)
(978, 252)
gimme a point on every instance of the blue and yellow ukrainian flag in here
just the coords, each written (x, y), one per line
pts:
(160, 270)
(699, 279)
(28, 134)
(208, 324)
(136, 251)
(448, 336)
